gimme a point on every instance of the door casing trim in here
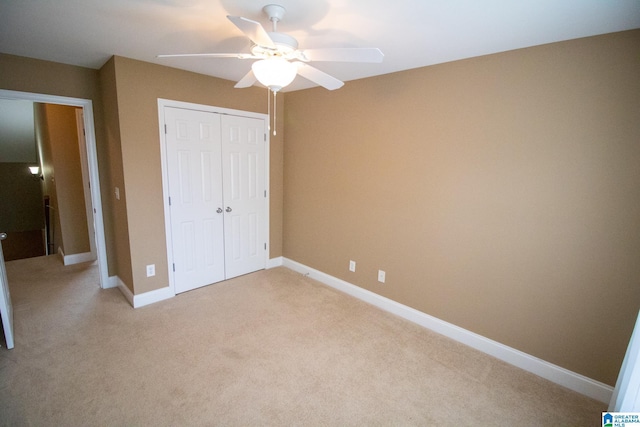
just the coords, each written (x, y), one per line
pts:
(92, 163)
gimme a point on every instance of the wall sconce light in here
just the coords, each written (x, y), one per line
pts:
(35, 172)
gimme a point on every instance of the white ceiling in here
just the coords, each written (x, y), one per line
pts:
(411, 33)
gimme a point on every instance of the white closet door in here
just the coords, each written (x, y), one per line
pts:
(195, 189)
(243, 178)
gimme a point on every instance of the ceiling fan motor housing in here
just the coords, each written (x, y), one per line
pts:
(285, 42)
(285, 46)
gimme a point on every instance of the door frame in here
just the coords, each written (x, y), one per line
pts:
(92, 165)
(162, 103)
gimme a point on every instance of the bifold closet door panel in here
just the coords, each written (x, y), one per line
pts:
(195, 187)
(244, 190)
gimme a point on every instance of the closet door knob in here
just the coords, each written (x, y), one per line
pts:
(228, 209)
(3, 236)
(219, 210)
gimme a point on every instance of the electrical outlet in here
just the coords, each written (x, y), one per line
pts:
(381, 276)
(352, 266)
(151, 270)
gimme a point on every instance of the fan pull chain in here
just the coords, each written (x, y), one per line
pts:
(268, 109)
(275, 112)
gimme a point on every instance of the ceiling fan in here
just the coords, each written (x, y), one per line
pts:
(280, 60)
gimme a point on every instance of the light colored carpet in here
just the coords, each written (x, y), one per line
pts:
(269, 348)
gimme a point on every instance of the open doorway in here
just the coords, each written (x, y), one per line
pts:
(45, 200)
(84, 110)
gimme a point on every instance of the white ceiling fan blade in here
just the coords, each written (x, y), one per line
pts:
(344, 54)
(319, 77)
(210, 55)
(248, 80)
(254, 30)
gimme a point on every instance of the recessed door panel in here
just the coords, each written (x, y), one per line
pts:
(188, 245)
(252, 218)
(233, 131)
(184, 176)
(210, 237)
(252, 176)
(235, 238)
(207, 171)
(181, 130)
(234, 176)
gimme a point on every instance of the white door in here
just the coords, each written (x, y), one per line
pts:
(6, 309)
(626, 395)
(243, 179)
(195, 190)
(86, 183)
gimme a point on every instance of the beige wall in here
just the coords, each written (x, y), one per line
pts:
(115, 176)
(138, 87)
(51, 78)
(498, 193)
(64, 173)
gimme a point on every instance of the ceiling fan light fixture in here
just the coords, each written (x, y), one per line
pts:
(274, 73)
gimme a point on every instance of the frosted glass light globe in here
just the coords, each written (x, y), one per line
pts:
(274, 73)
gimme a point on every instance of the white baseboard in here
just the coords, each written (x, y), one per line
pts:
(274, 262)
(152, 296)
(564, 377)
(124, 289)
(75, 258)
(141, 300)
(111, 283)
